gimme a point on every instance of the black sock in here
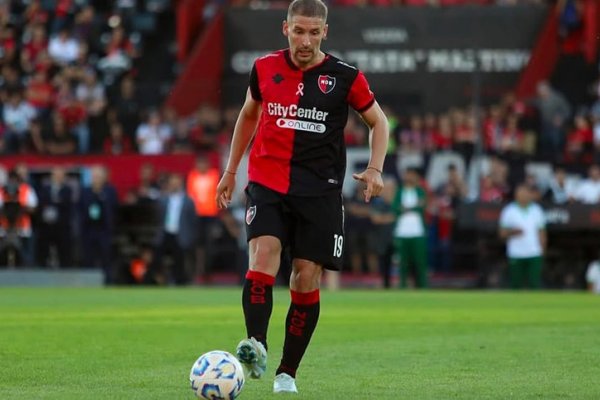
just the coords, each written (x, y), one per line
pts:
(300, 324)
(257, 301)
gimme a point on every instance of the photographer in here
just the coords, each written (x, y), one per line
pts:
(17, 202)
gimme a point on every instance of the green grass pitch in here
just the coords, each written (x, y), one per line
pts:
(140, 344)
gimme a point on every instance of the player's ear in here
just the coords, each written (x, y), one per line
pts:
(325, 30)
(285, 28)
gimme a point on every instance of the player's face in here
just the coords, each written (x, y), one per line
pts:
(305, 35)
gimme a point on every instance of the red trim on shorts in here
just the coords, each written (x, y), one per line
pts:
(260, 277)
(305, 299)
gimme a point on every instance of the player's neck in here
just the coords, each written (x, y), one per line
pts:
(303, 67)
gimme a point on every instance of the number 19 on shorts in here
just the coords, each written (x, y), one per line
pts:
(338, 245)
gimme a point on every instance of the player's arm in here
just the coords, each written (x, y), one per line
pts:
(245, 127)
(378, 142)
(543, 239)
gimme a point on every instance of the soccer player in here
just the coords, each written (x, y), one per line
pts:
(295, 109)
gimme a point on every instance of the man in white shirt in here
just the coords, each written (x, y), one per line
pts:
(588, 191)
(523, 226)
(593, 277)
(153, 136)
(63, 48)
(17, 116)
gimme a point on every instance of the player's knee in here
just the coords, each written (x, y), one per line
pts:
(265, 256)
(306, 279)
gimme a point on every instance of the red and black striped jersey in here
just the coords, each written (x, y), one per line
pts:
(299, 145)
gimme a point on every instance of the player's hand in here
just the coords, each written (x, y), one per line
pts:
(225, 190)
(373, 180)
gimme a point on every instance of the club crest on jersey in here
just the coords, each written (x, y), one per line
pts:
(250, 214)
(326, 83)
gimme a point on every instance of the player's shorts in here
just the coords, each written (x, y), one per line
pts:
(312, 227)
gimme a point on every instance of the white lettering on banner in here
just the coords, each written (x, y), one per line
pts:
(297, 124)
(385, 35)
(420, 60)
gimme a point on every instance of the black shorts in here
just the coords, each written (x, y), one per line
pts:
(312, 227)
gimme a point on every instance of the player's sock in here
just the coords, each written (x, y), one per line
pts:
(257, 301)
(300, 324)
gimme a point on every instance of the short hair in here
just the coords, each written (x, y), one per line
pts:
(307, 8)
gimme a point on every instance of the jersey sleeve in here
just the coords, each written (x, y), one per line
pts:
(360, 96)
(254, 85)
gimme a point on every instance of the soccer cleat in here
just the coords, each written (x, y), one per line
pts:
(284, 384)
(253, 356)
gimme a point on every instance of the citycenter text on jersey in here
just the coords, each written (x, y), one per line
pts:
(293, 111)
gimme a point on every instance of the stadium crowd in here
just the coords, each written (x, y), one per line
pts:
(68, 87)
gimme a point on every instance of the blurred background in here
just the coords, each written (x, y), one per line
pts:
(109, 110)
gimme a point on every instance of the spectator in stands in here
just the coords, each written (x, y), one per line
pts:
(181, 141)
(493, 129)
(511, 139)
(592, 277)
(383, 219)
(206, 127)
(97, 209)
(17, 116)
(40, 94)
(63, 48)
(58, 139)
(90, 93)
(411, 139)
(148, 189)
(523, 226)
(443, 139)
(579, 144)
(554, 111)
(464, 134)
(202, 184)
(33, 47)
(8, 45)
(17, 195)
(127, 106)
(119, 53)
(117, 142)
(410, 234)
(489, 192)
(11, 82)
(56, 214)
(177, 235)
(74, 116)
(588, 191)
(360, 234)
(561, 189)
(153, 135)
(459, 186)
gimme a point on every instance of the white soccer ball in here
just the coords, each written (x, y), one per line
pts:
(217, 375)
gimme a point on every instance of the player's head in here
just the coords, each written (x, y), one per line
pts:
(305, 28)
(523, 194)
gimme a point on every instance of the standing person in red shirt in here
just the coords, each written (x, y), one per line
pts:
(297, 103)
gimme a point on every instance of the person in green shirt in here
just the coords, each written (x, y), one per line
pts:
(410, 232)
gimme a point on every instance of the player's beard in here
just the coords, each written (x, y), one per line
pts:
(304, 56)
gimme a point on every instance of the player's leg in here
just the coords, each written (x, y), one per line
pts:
(402, 251)
(534, 272)
(317, 242)
(301, 321)
(257, 295)
(265, 228)
(419, 253)
(516, 273)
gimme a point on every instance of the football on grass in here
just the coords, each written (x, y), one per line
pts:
(217, 375)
